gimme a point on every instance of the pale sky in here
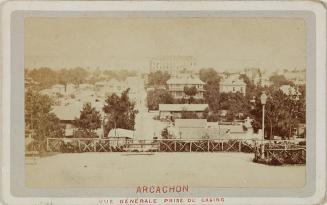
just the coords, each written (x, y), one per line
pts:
(221, 43)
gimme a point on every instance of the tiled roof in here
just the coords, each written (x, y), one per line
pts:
(195, 123)
(185, 81)
(232, 80)
(121, 133)
(181, 107)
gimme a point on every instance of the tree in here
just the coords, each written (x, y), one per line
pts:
(45, 76)
(208, 74)
(119, 111)
(279, 80)
(64, 77)
(211, 88)
(282, 113)
(235, 103)
(78, 75)
(38, 118)
(190, 91)
(158, 78)
(165, 133)
(89, 120)
(156, 97)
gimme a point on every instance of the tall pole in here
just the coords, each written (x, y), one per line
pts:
(263, 133)
(263, 122)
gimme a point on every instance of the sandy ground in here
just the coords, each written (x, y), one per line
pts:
(130, 170)
(145, 126)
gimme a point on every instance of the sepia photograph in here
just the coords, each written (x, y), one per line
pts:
(164, 104)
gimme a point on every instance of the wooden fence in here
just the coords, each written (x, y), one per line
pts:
(280, 152)
(86, 145)
(210, 145)
(168, 145)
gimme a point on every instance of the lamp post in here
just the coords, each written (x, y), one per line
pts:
(263, 99)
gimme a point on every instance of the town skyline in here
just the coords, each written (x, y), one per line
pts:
(58, 44)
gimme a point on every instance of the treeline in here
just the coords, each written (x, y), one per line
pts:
(47, 77)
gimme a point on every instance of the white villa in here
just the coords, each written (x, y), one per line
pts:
(176, 86)
(232, 84)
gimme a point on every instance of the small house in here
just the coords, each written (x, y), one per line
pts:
(120, 137)
(175, 110)
(190, 128)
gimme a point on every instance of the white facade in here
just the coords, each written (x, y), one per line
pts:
(172, 64)
(176, 87)
(232, 85)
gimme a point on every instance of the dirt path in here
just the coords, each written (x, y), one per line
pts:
(130, 170)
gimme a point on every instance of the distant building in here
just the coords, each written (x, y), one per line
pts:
(172, 64)
(252, 73)
(58, 89)
(121, 133)
(106, 88)
(121, 137)
(86, 87)
(176, 86)
(232, 84)
(290, 91)
(190, 128)
(175, 110)
(221, 130)
(67, 115)
(297, 76)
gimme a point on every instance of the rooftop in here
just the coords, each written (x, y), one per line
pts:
(182, 107)
(232, 80)
(195, 123)
(185, 81)
(118, 132)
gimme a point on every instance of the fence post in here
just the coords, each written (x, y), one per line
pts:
(208, 145)
(79, 145)
(175, 145)
(222, 145)
(48, 148)
(239, 145)
(191, 146)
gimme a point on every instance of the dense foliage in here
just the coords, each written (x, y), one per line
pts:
(120, 112)
(38, 117)
(158, 78)
(89, 120)
(158, 96)
(47, 77)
